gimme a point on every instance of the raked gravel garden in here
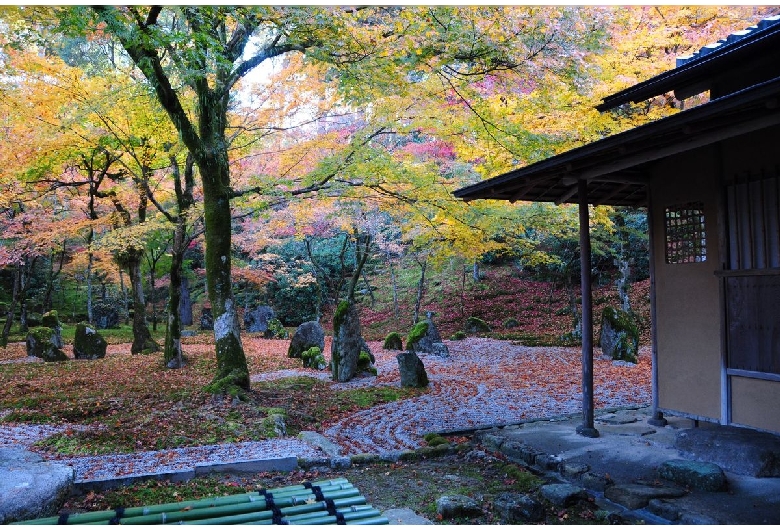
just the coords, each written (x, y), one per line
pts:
(484, 382)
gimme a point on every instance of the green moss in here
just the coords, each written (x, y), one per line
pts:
(229, 385)
(433, 439)
(276, 330)
(313, 358)
(477, 325)
(510, 323)
(340, 315)
(459, 335)
(415, 334)
(393, 341)
(364, 361)
(50, 319)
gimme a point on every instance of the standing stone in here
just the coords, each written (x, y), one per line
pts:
(88, 343)
(41, 342)
(185, 303)
(257, 321)
(412, 370)
(347, 342)
(308, 335)
(206, 319)
(425, 338)
(619, 335)
(51, 320)
(105, 314)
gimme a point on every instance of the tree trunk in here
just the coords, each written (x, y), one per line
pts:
(420, 290)
(9, 320)
(90, 318)
(623, 284)
(51, 277)
(142, 337)
(394, 281)
(475, 272)
(123, 288)
(232, 369)
(172, 353)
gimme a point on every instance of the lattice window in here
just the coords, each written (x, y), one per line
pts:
(685, 238)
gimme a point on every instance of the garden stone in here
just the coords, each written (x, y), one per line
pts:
(517, 508)
(701, 476)
(347, 342)
(30, 487)
(412, 370)
(393, 341)
(257, 321)
(619, 337)
(364, 347)
(404, 516)
(476, 325)
(41, 342)
(105, 314)
(425, 338)
(206, 319)
(185, 303)
(308, 335)
(88, 343)
(451, 506)
(563, 495)
(635, 496)
(52, 321)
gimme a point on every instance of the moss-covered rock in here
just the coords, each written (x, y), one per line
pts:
(50, 320)
(459, 335)
(511, 323)
(619, 336)
(347, 342)
(476, 325)
(308, 335)
(88, 343)
(416, 334)
(41, 343)
(393, 341)
(313, 358)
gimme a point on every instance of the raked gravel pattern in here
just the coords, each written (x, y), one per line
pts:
(483, 383)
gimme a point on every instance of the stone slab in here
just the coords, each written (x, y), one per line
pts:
(759, 452)
(321, 442)
(30, 487)
(405, 516)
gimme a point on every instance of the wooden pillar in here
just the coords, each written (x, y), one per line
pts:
(657, 419)
(586, 429)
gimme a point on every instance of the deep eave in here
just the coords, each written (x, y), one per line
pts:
(615, 167)
(695, 75)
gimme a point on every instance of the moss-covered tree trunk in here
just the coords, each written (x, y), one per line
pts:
(142, 337)
(172, 349)
(232, 369)
(184, 199)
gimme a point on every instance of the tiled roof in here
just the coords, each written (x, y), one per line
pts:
(722, 44)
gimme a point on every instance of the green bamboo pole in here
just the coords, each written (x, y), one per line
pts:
(107, 515)
(260, 517)
(257, 505)
(320, 516)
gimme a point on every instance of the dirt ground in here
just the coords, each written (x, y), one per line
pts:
(468, 470)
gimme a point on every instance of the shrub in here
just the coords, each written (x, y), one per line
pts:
(477, 325)
(510, 323)
(458, 335)
(276, 330)
(313, 358)
(393, 341)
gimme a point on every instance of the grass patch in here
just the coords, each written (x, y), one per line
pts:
(154, 492)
